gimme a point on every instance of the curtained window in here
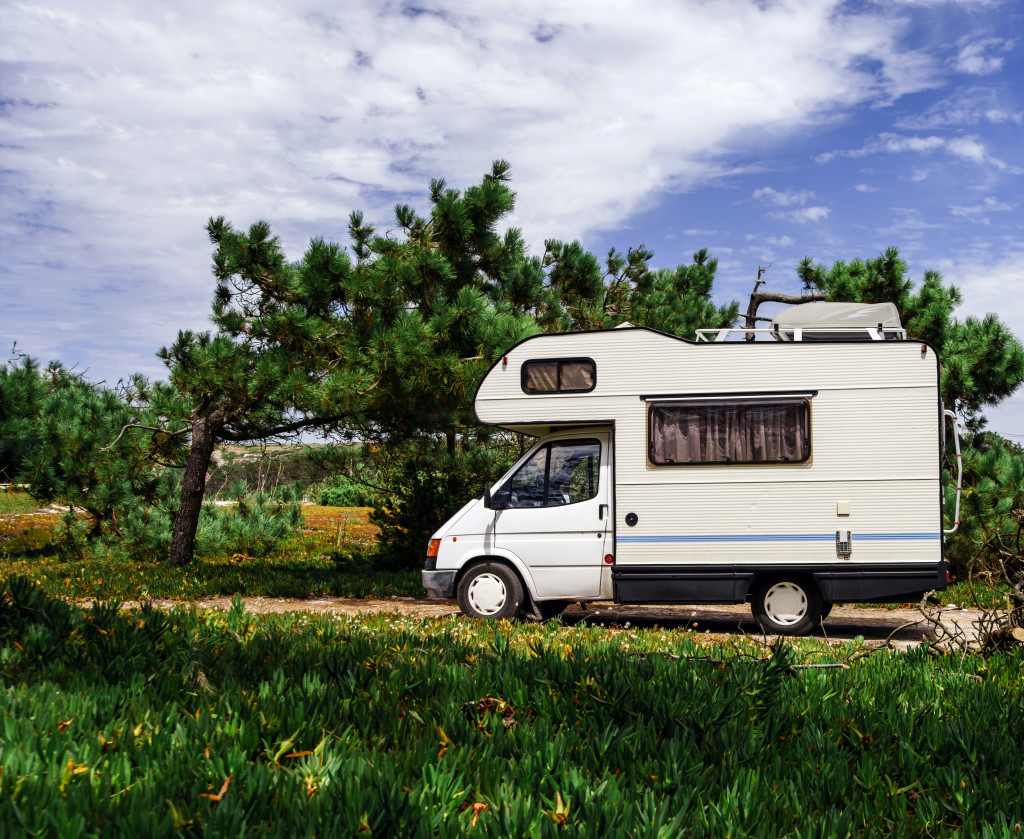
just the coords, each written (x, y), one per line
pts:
(730, 431)
(562, 375)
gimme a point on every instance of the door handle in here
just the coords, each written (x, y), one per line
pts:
(600, 510)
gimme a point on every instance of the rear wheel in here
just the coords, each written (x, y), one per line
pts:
(490, 591)
(787, 606)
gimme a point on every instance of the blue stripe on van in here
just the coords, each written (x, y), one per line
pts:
(779, 537)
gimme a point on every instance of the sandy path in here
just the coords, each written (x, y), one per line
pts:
(845, 623)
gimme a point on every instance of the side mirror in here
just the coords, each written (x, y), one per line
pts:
(499, 500)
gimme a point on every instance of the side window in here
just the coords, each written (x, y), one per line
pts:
(729, 431)
(573, 472)
(565, 472)
(561, 375)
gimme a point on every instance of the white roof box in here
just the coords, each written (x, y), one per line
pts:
(825, 321)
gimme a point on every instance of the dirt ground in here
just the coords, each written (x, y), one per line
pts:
(845, 623)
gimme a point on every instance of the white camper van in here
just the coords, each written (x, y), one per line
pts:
(793, 473)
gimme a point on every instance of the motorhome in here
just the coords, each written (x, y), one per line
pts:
(792, 468)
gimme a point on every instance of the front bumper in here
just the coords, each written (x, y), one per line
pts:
(440, 585)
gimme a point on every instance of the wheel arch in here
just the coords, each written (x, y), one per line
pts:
(525, 579)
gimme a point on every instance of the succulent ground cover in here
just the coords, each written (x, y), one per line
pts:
(151, 722)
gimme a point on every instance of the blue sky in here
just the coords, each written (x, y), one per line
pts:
(764, 131)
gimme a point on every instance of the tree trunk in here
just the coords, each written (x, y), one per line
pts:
(759, 297)
(193, 487)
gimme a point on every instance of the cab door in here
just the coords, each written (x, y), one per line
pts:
(554, 513)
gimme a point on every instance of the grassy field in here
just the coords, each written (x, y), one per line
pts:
(333, 555)
(225, 724)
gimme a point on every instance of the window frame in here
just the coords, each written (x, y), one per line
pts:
(559, 362)
(730, 399)
(506, 485)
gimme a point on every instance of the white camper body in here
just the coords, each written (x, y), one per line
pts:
(793, 474)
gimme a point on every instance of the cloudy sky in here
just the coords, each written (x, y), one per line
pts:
(762, 130)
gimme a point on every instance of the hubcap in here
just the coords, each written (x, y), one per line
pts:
(785, 603)
(487, 594)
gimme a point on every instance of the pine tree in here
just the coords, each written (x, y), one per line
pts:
(273, 366)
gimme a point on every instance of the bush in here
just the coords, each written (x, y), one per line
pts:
(342, 491)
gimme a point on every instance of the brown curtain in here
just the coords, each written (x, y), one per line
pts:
(730, 431)
(577, 375)
(541, 376)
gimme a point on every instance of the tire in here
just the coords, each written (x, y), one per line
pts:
(490, 591)
(826, 610)
(787, 606)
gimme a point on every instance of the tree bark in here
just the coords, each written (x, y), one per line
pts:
(759, 297)
(193, 487)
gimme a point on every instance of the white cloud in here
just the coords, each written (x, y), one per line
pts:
(803, 215)
(127, 125)
(786, 198)
(967, 107)
(865, 188)
(988, 205)
(777, 241)
(976, 58)
(968, 147)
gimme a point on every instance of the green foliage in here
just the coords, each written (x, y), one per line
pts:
(342, 491)
(23, 386)
(433, 483)
(80, 456)
(256, 526)
(991, 530)
(223, 723)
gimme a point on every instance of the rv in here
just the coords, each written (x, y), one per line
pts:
(793, 472)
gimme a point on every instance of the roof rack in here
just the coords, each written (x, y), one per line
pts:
(805, 333)
(821, 320)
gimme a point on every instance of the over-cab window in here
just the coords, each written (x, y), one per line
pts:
(559, 375)
(563, 472)
(748, 430)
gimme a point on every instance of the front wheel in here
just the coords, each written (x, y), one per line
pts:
(490, 591)
(788, 606)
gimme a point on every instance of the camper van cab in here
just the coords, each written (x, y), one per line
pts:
(791, 473)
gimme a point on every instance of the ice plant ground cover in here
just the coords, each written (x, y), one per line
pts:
(149, 722)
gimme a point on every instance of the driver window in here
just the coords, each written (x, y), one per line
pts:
(556, 474)
(573, 472)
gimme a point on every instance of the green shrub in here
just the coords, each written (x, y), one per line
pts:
(342, 491)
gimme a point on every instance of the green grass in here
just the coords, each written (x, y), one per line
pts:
(222, 723)
(332, 556)
(12, 501)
